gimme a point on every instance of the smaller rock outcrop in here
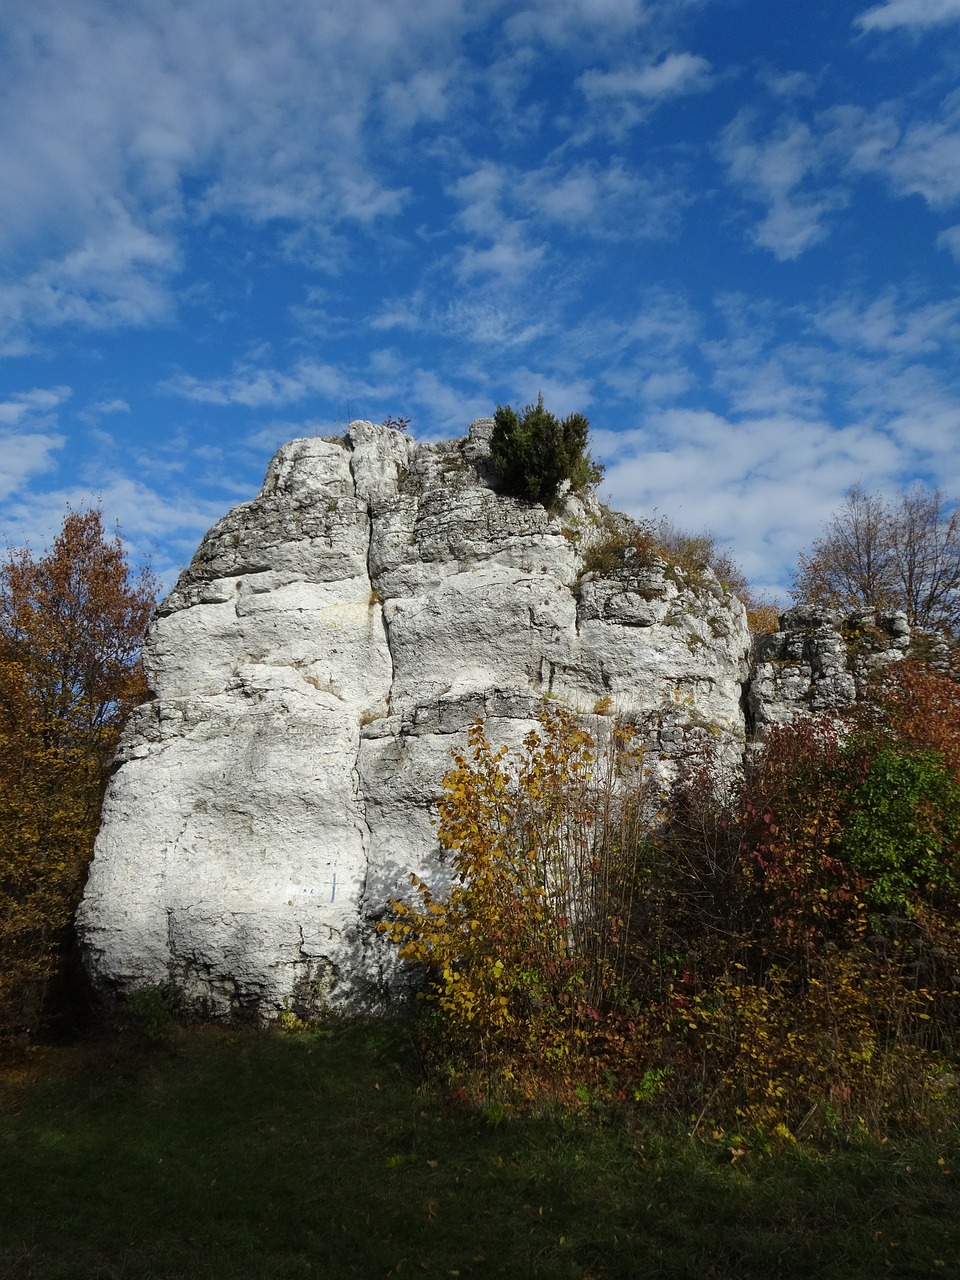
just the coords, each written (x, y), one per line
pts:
(820, 660)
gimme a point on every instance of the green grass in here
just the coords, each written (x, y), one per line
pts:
(242, 1155)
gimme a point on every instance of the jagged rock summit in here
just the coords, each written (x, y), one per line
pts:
(311, 671)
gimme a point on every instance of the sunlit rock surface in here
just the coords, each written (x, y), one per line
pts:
(820, 661)
(312, 671)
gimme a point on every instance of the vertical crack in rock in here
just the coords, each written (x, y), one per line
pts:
(364, 938)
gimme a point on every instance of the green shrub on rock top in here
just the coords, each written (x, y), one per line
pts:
(535, 452)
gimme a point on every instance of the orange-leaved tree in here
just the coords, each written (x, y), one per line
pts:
(71, 626)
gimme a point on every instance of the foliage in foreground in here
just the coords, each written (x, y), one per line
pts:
(241, 1156)
(779, 954)
(525, 950)
(71, 623)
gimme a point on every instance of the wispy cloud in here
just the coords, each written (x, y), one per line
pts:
(30, 438)
(93, 413)
(859, 389)
(602, 22)
(763, 485)
(909, 13)
(259, 387)
(424, 207)
(890, 325)
(600, 201)
(949, 239)
(675, 74)
(146, 515)
(780, 170)
(217, 107)
(24, 456)
(915, 156)
(499, 244)
(40, 401)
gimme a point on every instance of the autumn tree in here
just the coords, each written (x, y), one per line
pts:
(773, 951)
(71, 625)
(523, 952)
(900, 553)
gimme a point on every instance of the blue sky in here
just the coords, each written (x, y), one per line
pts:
(726, 230)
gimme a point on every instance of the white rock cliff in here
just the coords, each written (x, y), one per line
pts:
(312, 671)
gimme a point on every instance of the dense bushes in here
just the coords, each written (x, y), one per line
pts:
(536, 452)
(524, 953)
(779, 955)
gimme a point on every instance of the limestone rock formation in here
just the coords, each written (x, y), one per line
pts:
(312, 670)
(820, 661)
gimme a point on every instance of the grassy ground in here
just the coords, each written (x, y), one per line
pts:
(238, 1155)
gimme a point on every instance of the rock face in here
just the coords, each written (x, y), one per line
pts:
(312, 670)
(323, 655)
(819, 661)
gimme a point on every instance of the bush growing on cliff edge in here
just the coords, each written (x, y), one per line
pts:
(535, 452)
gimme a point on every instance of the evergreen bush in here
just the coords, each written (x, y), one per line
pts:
(535, 452)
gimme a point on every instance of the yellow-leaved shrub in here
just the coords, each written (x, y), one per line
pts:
(523, 953)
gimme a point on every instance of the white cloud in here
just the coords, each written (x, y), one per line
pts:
(600, 21)
(508, 257)
(804, 173)
(423, 98)
(121, 127)
(949, 239)
(448, 408)
(509, 218)
(501, 244)
(887, 325)
(675, 74)
(919, 158)
(777, 171)
(118, 275)
(561, 394)
(486, 317)
(480, 193)
(926, 162)
(273, 434)
(401, 313)
(29, 436)
(25, 404)
(257, 387)
(789, 84)
(762, 485)
(908, 13)
(144, 513)
(25, 456)
(92, 414)
(647, 356)
(813, 400)
(601, 201)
